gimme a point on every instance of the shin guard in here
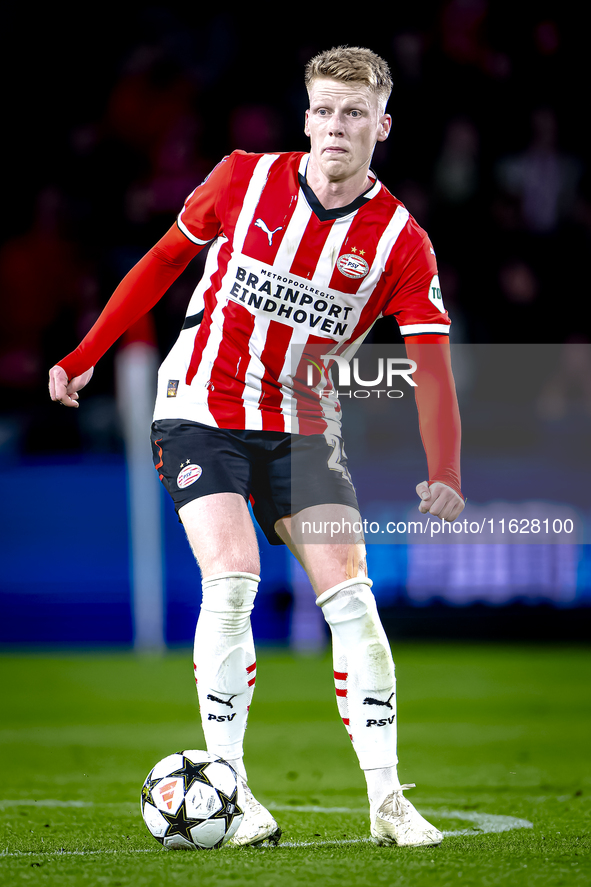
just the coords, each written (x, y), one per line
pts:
(363, 671)
(225, 661)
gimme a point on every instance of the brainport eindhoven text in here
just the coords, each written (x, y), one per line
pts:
(298, 303)
(292, 302)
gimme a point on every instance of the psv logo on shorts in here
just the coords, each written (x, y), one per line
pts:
(188, 475)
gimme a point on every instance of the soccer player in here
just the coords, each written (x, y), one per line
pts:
(307, 252)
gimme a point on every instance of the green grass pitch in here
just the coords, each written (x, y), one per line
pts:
(496, 737)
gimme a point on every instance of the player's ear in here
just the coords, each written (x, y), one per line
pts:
(384, 127)
(306, 127)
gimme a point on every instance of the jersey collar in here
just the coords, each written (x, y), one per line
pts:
(329, 215)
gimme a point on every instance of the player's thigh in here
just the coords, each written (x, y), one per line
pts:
(221, 534)
(207, 472)
(328, 541)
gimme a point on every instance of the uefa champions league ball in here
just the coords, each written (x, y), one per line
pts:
(192, 801)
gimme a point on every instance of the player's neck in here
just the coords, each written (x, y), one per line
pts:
(334, 194)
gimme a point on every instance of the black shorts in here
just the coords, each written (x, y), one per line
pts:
(280, 473)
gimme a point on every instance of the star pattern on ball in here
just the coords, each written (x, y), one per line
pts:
(147, 790)
(179, 823)
(229, 809)
(190, 772)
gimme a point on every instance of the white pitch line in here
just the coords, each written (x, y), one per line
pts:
(483, 823)
(310, 808)
(336, 842)
(44, 802)
(6, 853)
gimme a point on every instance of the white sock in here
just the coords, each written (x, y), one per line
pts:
(238, 765)
(225, 662)
(364, 681)
(380, 783)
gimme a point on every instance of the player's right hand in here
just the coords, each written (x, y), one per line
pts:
(64, 392)
(439, 500)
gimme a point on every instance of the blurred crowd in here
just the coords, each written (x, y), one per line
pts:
(118, 118)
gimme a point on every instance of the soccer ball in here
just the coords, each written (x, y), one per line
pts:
(192, 801)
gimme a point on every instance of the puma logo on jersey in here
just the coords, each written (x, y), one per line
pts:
(369, 701)
(262, 225)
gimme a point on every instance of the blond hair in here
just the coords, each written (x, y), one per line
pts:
(352, 64)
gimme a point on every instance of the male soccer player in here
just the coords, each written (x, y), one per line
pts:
(307, 252)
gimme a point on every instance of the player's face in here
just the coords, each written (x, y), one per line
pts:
(344, 122)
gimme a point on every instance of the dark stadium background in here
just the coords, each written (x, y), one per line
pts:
(112, 115)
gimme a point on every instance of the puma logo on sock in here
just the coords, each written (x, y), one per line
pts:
(224, 701)
(369, 701)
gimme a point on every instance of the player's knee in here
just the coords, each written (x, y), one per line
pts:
(230, 592)
(348, 597)
(224, 560)
(351, 601)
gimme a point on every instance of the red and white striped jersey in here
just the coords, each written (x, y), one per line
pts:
(284, 276)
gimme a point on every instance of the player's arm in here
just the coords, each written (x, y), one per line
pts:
(418, 307)
(146, 283)
(439, 425)
(137, 293)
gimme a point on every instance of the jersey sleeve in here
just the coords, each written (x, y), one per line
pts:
(416, 301)
(137, 293)
(437, 406)
(200, 217)
(197, 224)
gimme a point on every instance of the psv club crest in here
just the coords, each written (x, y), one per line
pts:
(188, 475)
(352, 266)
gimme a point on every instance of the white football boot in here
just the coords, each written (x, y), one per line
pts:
(257, 826)
(397, 822)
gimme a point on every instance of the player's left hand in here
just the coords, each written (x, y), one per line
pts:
(439, 500)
